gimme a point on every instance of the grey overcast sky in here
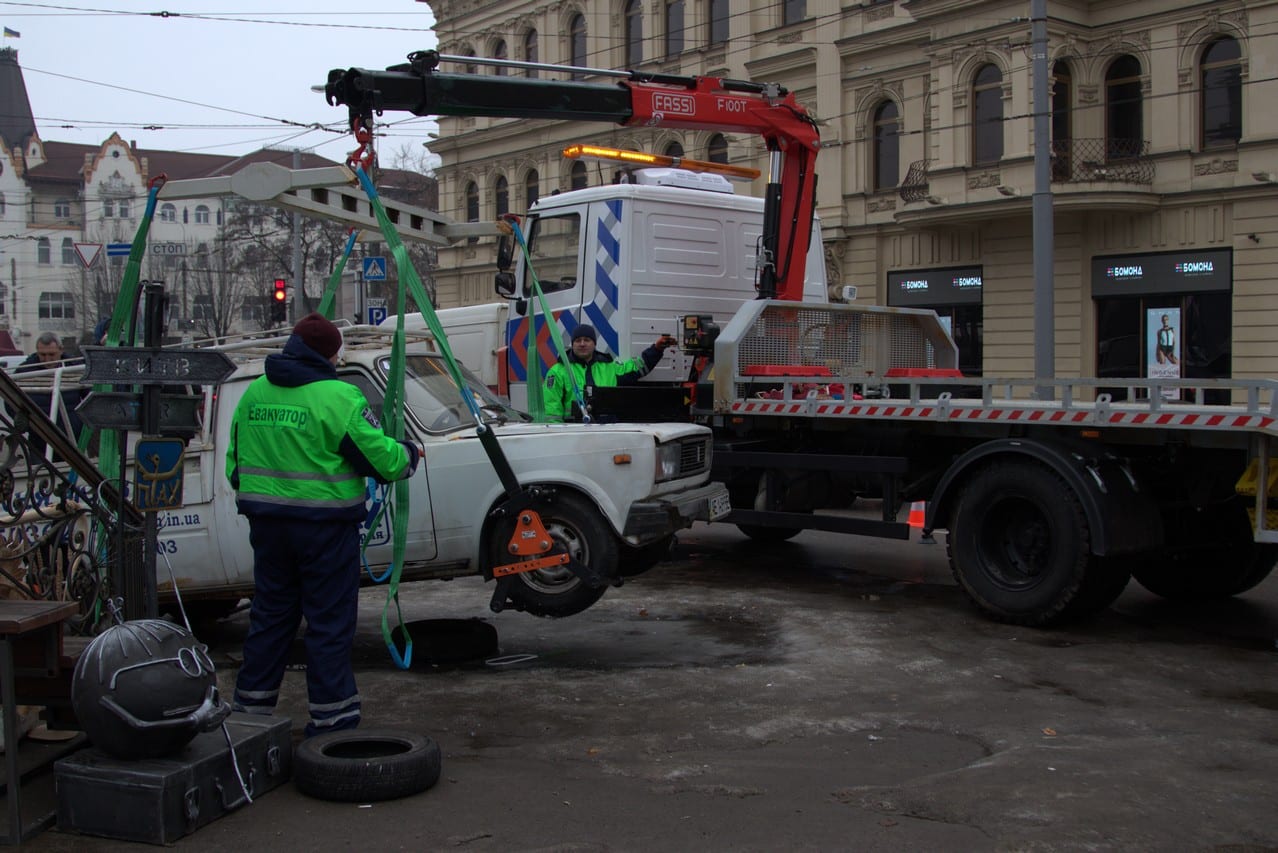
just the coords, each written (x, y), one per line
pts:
(218, 77)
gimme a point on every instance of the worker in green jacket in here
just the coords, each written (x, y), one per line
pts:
(590, 367)
(302, 443)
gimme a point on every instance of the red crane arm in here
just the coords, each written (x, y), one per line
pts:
(638, 100)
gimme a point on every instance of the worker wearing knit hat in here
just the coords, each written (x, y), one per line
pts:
(320, 334)
(585, 366)
(302, 443)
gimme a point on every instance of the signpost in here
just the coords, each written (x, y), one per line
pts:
(123, 410)
(155, 366)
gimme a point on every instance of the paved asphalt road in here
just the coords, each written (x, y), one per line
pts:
(830, 693)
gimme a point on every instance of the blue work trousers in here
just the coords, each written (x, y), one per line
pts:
(311, 569)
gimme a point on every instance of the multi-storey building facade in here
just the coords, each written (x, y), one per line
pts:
(63, 204)
(1164, 158)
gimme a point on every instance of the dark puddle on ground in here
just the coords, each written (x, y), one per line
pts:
(719, 638)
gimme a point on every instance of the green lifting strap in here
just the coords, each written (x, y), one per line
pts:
(393, 406)
(536, 396)
(335, 280)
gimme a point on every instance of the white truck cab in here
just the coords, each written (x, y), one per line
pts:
(631, 259)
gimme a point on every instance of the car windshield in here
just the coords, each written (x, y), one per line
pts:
(434, 401)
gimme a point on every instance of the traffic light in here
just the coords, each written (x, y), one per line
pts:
(279, 302)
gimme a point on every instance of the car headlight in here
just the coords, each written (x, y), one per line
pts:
(668, 456)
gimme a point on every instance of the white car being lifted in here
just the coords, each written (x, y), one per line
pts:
(613, 495)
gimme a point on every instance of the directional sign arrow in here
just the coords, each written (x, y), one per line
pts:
(123, 410)
(148, 365)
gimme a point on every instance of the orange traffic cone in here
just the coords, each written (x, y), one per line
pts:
(918, 515)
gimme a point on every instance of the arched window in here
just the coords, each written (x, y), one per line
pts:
(499, 52)
(577, 176)
(1124, 126)
(717, 25)
(577, 43)
(201, 214)
(168, 212)
(673, 149)
(1222, 93)
(530, 52)
(472, 206)
(68, 251)
(632, 14)
(674, 28)
(43, 251)
(987, 115)
(1062, 121)
(793, 11)
(887, 146)
(717, 149)
(471, 68)
(532, 188)
(501, 195)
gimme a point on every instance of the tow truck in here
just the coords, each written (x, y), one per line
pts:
(1051, 504)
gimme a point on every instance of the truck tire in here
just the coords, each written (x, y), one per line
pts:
(365, 765)
(763, 533)
(1104, 582)
(1019, 544)
(576, 524)
(1230, 563)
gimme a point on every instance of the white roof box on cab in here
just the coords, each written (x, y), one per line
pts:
(683, 178)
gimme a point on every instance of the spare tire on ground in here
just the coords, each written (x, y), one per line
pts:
(365, 765)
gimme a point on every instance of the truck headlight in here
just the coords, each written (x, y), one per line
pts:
(668, 458)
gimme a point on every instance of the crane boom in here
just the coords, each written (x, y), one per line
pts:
(635, 100)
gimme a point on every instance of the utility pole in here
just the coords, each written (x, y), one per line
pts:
(1044, 227)
(299, 280)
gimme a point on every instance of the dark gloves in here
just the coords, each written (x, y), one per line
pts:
(414, 456)
(663, 342)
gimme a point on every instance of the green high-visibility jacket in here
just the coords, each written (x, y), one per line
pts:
(303, 451)
(601, 371)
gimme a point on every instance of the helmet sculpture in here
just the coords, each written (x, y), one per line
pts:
(145, 689)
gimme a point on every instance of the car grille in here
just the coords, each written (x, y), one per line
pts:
(694, 456)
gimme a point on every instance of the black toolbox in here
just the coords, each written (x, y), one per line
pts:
(159, 800)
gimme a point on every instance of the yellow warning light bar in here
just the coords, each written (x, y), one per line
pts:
(638, 158)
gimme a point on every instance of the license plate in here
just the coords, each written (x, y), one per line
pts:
(720, 506)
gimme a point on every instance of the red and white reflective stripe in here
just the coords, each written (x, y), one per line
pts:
(833, 409)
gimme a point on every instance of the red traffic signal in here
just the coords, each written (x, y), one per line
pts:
(281, 290)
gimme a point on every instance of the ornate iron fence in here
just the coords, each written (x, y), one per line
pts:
(65, 533)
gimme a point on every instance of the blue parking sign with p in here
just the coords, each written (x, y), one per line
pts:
(375, 269)
(376, 314)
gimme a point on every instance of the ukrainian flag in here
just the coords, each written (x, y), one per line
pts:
(11, 34)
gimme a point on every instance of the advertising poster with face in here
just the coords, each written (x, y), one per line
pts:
(1162, 345)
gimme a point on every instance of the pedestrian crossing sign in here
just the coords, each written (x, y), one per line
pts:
(375, 269)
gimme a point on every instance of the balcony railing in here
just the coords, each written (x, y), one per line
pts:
(915, 187)
(1121, 161)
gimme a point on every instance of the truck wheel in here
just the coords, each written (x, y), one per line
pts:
(1019, 544)
(762, 533)
(1104, 582)
(574, 523)
(1226, 561)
